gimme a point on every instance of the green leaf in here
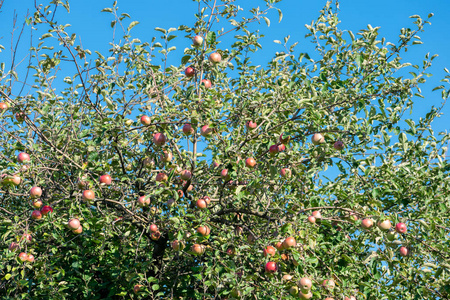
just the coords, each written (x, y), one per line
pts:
(132, 24)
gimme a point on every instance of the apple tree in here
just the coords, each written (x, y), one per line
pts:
(126, 175)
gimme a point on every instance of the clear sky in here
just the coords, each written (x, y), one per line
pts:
(95, 32)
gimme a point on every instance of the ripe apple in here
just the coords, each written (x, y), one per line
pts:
(137, 288)
(36, 215)
(281, 147)
(285, 172)
(305, 284)
(311, 219)
(20, 116)
(201, 204)
(207, 200)
(153, 228)
(316, 214)
(197, 40)
(250, 162)
(12, 179)
(352, 217)
(159, 139)
(273, 150)
(404, 251)
(338, 145)
(161, 177)
(88, 195)
(231, 251)
(3, 106)
(271, 267)
(204, 230)
(384, 225)
(279, 246)
(224, 174)
(189, 72)
(206, 83)
(269, 250)
(78, 230)
(188, 129)
(155, 235)
(35, 192)
(145, 120)
(329, 298)
(307, 295)
(23, 257)
(198, 249)
(350, 298)
(186, 175)
(317, 139)
(105, 179)
(180, 193)
(367, 223)
(13, 246)
(328, 284)
(166, 156)
(289, 243)
(37, 204)
(215, 57)
(46, 209)
(73, 224)
(400, 228)
(23, 157)
(177, 245)
(205, 130)
(287, 277)
(27, 237)
(250, 125)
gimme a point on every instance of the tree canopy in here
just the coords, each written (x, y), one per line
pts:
(125, 176)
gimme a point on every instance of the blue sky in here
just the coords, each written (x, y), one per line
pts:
(95, 32)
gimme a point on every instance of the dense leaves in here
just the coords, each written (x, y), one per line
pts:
(311, 151)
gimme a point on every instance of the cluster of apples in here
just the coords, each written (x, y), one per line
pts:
(214, 58)
(385, 225)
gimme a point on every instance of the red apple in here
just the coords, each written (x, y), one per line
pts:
(197, 40)
(186, 175)
(23, 157)
(311, 219)
(27, 237)
(105, 179)
(3, 106)
(338, 145)
(329, 298)
(250, 162)
(155, 235)
(215, 57)
(224, 174)
(198, 249)
(142, 201)
(366, 223)
(13, 246)
(305, 284)
(78, 230)
(269, 250)
(204, 230)
(166, 156)
(23, 257)
(36, 215)
(160, 177)
(159, 139)
(73, 224)
(46, 209)
(289, 243)
(271, 267)
(188, 129)
(206, 83)
(177, 245)
(189, 72)
(35, 192)
(328, 284)
(201, 204)
(281, 147)
(350, 298)
(207, 200)
(400, 228)
(205, 130)
(317, 139)
(404, 251)
(384, 225)
(316, 214)
(273, 150)
(145, 120)
(250, 125)
(88, 195)
(231, 251)
(285, 172)
(37, 204)
(153, 228)
(279, 246)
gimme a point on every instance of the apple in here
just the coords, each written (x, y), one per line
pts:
(250, 125)
(160, 177)
(404, 251)
(250, 162)
(153, 228)
(201, 204)
(271, 267)
(350, 298)
(190, 187)
(231, 251)
(37, 204)
(285, 140)
(400, 228)
(198, 249)
(177, 245)
(204, 230)
(215, 57)
(366, 223)
(281, 147)
(206, 83)
(224, 174)
(88, 195)
(13, 179)
(20, 116)
(293, 290)
(27, 237)
(188, 129)
(105, 179)
(148, 163)
(328, 284)
(338, 145)
(3, 106)
(311, 219)
(36, 215)
(145, 120)
(273, 150)
(289, 243)
(13, 246)
(166, 156)
(186, 175)
(305, 284)
(155, 235)
(78, 230)
(23, 157)
(287, 277)
(307, 295)
(269, 250)
(391, 235)
(207, 200)
(189, 72)
(279, 246)
(285, 172)
(352, 217)
(35, 192)
(73, 224)
(180, 193)
(205, 130)
(137, 288)
(197, 40)
(82, 182)
(329, 298)
(142, 201)
(384, 225)
(46, 209)
(159, 139)
(316, 214)
(317, 139)
(23, 257)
